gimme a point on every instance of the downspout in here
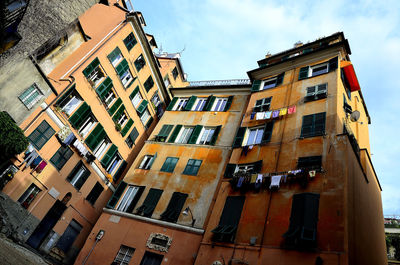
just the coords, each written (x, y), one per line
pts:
(43, 75)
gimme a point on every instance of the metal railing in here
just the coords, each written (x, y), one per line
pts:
(228, 82)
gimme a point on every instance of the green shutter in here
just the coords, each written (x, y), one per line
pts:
(209, 103)
(256, 85)
(115, 106)
(117, 194)
(215, 135)
(65, 95)
(239, 137)
(148, 84)
(89, 69)
(126, 128)
(114, 54)
(230, 169)
(228, 103)
(95, 137)
(104, 88)
(165, 130)
(333, 64)
(267, 132)
(130, 41)
(149, 122)
(190, 103)
(80, 115)
(175, 133)
(122, 67)
(134, 92)
(303, 74)
(119, 112)
(120, 170)
(105, 161)
(142, 106)
(172, 104)
(195, 134)
(279, 79)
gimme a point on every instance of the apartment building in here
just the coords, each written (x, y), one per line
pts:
(300, 187)
(159, 212)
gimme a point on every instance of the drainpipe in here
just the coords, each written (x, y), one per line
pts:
(43, 75)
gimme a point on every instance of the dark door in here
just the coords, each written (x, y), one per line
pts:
(151, 258)
(47, 223)
(69, 236)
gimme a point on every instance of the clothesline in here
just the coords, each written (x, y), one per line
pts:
(264, 115)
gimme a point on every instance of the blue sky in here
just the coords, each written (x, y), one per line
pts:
(223, 39)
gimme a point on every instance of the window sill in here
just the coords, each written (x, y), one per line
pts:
(314, 98)
(310, 136)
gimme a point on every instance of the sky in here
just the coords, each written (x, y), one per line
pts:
(223, 39)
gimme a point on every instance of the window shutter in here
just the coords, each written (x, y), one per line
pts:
(122, 67)
(190, 103)
(80, 115)
(333, 64)
(239, 137)
(126, 128)
(175, 133)
(148, 84)
(130, 41)
(89, 69)
(279, 79)
(134, 92)
(256, 85)
(115, 106)
(174, 208)
(119, 113)
(104, 88)
(73, 172)
(209, 103)
(195, 134)
(95, 137)
(257, 166)
(230, 169)
(303, 74)
(268, 132)
(114, 54)
(307, 126)
(165, 130)
(133, 135)
(319, 123)
(150, 202)
(120, 170)
(82, 179)
(142, 106)
(105, 161)
(149, 122)
(117, 194)
(215, 135)
(65, 95)
(172, 104)
(296, 216)
(228, 103)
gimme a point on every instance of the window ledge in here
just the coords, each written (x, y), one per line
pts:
(155, 221)
(190, 145)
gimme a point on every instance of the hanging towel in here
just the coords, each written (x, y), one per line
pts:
(275, 113)
(41, 166)
(37, 161)
(69, 139)
(283, 112)
(312, 173)
(252, 115)
(260, 115)
(81, 148)
(251, 147)
(259, 178)
(292, 109)
(267, 114)
(275, 181)
(240, 182)
(253, 178)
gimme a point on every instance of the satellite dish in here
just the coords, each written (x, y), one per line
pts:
(355, 115)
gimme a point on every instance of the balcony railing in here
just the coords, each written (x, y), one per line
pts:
(229, 82)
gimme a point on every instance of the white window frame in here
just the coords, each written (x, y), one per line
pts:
(219, 104)
(123, 119)
(167, 82)
(272, 82)
(78, 175)
(35, 90)
(318, 90)
(126, 78)
(87, 126)
(101, 148)
(112, 170)
(184, 135)
(117, 60)
(180, 104)
(263, 100)
(146, 162)
(207, 133)
(110, 98)
(247, 136)
(127, 198)
(199, 104)
(145, 116)
(137, 99)
(156, 98)
(92, 77)
(72, 106)
(320, 72)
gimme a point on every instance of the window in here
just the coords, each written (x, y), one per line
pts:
(109, 98)
(122, 119)
(181, 104)
(147, 162)
(78, 175)
(87, 126)
(139, 63)
(124, 255)
(130, 41)
(145, 116)
(255, 136)
(166, 82)
(245, 168)
(28, 196)
(80, 115)
(164, 133)
(169, 164)
(151, 258)
(130, 140)
(251, 168)
(219, 104)
(101, 147)
(95, 193)
(302, 230)
(345, 83)
(206, 135)
(114, 163)
(115, 57)
(175, 73)
(124, 73)
(272, 82)
(313, 125)
(129, 198)
(269, 83)
(41, 135)
(96, 76)
(310, 162)
(128, 5)
(184, 135)
(136, 100)
(31, 95)
(229, 220)
(174, 208)
(192, 167)
(199, 104)
(310, 71)
(262, 104)
(69, 101)
(61, 157)
(148, 84)
(316, 92)
(150, 203)
(156, 100)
